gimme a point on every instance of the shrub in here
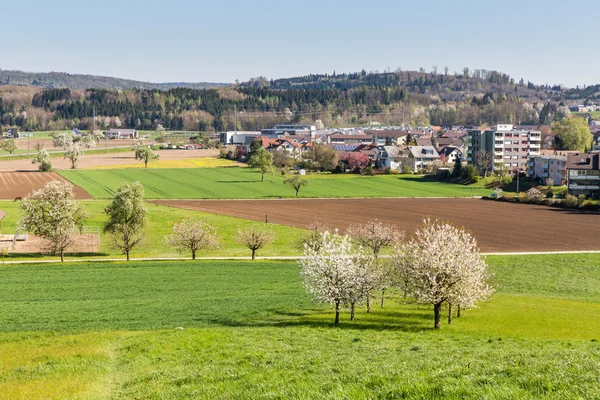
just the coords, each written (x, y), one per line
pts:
(470, 174)
(549, 195)
(369, 171)
(580, 200)
(45, 166)
(570, 201)
(406, 170)
(444, 175)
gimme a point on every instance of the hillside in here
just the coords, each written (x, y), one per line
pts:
(78, 81)
(410, 98)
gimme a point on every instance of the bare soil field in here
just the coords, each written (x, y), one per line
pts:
(84, 243)
(498, 226)
(20, 184)
(95, 160)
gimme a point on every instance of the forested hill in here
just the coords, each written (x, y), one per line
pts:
(414, 98)
(77, 81)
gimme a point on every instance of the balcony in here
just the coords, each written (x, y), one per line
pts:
(531, 164)
(534, 145)
(585, 178)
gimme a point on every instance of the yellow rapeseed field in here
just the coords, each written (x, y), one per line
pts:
(205, 162)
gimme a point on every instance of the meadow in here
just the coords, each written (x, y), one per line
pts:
(160, 223)
(216, 329)
(245, 183)
(205, 162)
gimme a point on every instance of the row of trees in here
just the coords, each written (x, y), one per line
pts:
(440, 264)
(54, 214)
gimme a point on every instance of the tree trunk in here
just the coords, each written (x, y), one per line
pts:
(253, 252)
(193, 254)
(337, 312)
(382, 297)
(127, 253)
(297, 190)
(62, 256)
(458, 311)
(449, 313)
(262, 179)
(436, 313)
(352, 311)
(368, 303)
(145, 164)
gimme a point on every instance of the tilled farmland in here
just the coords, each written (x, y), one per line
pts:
(498, 226)
(20, 184)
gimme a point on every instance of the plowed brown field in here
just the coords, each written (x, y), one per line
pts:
(499, 227)
(20, 184)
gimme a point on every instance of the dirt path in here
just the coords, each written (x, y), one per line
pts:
(500, 227)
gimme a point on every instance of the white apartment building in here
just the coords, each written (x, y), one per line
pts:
(510, 147)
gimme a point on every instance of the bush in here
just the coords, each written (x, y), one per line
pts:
(580, 200)
(406, 170)
(45, 166)
(549, 195)
(570, 201)
(369, 171)
(444, 175)
(470, 174)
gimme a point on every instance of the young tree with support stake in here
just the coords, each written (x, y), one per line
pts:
(443, 264)
(127, 217)
(53, 214)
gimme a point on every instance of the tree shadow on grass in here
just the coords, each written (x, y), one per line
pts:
(411, 320)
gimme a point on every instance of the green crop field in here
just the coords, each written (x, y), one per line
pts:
(160, 223)
(174, 330)
(244, 183)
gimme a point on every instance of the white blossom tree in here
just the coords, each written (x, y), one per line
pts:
(53, 214)
(335, 273)
(43, 158)
(193, 235)
(63, 140)
(443, 264)
(313, 237)
(254, 238)
(127, 217)
(74, 154)
(375, 235)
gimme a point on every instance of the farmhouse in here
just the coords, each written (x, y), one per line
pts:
(121, 134)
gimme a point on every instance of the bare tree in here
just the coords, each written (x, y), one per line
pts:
(313, 238)
(483, 161)
(375, 235)
(295, 182)
(254, 238)
(193, 235)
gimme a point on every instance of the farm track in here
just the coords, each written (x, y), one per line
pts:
(499, 227)
(20, 184)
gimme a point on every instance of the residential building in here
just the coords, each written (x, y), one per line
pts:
(583, 174)
(450, 154)
(393, 157)
(381, 136)
(121, 134)
(422, 157)
(551, 166)
(292, 145)
(510, 147)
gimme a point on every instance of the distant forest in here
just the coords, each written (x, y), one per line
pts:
(417, 98)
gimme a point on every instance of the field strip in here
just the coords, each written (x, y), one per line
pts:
(248, 258)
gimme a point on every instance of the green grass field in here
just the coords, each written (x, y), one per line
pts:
(161, 220)
(99, 331)
(244, 183)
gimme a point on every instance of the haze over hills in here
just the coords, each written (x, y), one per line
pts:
(80, 81)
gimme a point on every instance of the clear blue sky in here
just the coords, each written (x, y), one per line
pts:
(546, 41)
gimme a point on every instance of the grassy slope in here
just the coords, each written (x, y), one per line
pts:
(161, 220)
(250, 331)
(243, 183)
